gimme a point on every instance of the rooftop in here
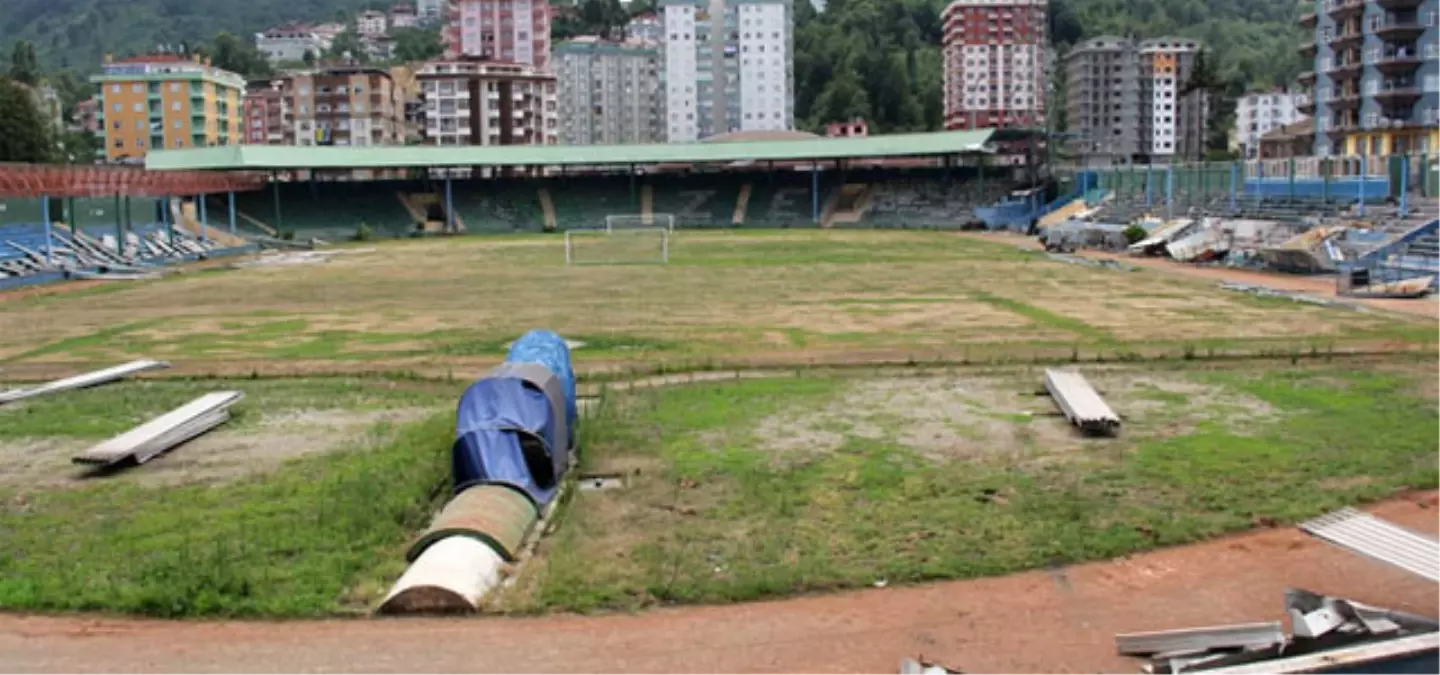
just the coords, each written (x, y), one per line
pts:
(261, 157)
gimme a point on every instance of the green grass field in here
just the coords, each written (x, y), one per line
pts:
(815, 478)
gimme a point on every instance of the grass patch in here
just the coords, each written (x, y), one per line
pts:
(1045, 317)
(314, 536)
(715, 518)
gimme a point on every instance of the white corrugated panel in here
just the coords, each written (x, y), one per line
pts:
(1079, 401)
(1379, 539)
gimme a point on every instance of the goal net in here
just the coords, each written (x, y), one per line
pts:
(636, 221)
(636, 246)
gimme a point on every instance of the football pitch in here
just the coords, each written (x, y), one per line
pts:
(843, 408)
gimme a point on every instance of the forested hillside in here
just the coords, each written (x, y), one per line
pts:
(876, 59)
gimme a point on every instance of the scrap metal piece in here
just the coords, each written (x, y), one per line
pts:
(1317, 623)
(83, 380)
(1425, 646)
(164, 432)
(909, 666)
(1379, 539)
(1235, 636)
(1080, 403)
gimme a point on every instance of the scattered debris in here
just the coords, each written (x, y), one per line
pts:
(1088, 262)
(919, 666)
(1080, 403)
(83, 380)
(272, 258)
(1381, 540)
(1322, 626)
(152, 438)
(609, 481)
(1267, 292)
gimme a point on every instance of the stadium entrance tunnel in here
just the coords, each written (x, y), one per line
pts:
(515, 439)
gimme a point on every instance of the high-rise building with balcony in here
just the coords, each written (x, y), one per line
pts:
(994, 53)
(728, 66)
(469, 102)
(1127, 101)
(503, 31)
(166, 101)
(1375, 82)
(609, 92)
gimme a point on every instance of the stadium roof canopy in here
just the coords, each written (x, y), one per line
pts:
(63, 180)
(262, 157)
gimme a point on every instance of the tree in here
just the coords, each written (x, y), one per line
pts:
(228, 52)
(347, 46)
(417, 44)
(24, 132)
(308, 59)
(23, 66)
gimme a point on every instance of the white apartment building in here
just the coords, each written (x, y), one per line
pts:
(1260, 112)
(290, 42)
(431, 11)
(371, 22)
(646, 28)
(484, 103)
(510, 31)
(729, 66)
(609, 92)
(403, 16)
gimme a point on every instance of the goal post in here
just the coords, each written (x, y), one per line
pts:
(635, 246)
(638, 221)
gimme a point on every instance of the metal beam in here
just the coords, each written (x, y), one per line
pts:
(1080, 403)
(1241, 635)
(1344, 659)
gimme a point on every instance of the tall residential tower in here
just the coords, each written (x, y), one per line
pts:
(994, 53)
(728, 67)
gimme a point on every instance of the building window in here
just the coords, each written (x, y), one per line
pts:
(174, 87)
(137, 88)
(175, 124)
(138, 107)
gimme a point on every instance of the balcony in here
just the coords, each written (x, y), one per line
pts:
(1399, 63)
(1307, 50)
(1346, 40)
(1306, 77)
(1308, 19)
(1342, 127)
(1342, 70)
(1398, 94)
(1346, 101)
(1394, 5)
(1306, 107)
(1405, 30)
(1340, 10)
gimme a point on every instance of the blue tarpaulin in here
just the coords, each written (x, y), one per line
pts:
(506, 431)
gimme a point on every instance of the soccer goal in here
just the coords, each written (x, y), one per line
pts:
(637, 246)
(636, 221)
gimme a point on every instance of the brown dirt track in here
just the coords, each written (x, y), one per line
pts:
(1055, 621)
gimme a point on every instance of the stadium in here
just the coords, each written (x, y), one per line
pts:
(268, 382)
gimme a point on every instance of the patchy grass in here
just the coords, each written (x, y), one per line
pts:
(317, 536)
(726, 295)
(713, 517)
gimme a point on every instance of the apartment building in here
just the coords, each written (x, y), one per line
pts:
(646, 28)
(508, 31)
(292, 41)
(994, 60)
(1172, 120)
(371, 22)
(728, 66)
(1257, 113)
(1375, 82)
(403, 16)
(1102, 100)
(609, 92)
(473, 102)
(166, 101)
(342, 105)
(430, 11)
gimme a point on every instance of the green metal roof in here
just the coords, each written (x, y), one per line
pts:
(242, 157)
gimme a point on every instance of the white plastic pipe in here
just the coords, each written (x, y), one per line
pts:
(452, 575)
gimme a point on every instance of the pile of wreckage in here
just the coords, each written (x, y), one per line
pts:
(150, 439)
(1328, 634)
(77, 255)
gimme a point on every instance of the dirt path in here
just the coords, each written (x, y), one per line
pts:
(1047, 621)
(1319, 286)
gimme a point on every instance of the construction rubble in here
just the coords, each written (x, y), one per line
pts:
(1320, 624)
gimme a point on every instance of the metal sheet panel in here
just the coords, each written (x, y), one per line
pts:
(166, 431)
(497, 515)
(84, 380)
(1080, 403)
(1262, 634)
(1379, 539)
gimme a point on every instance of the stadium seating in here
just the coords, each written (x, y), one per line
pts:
(500, 205)
(583, 202)
(329, 211)
(702, 201)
